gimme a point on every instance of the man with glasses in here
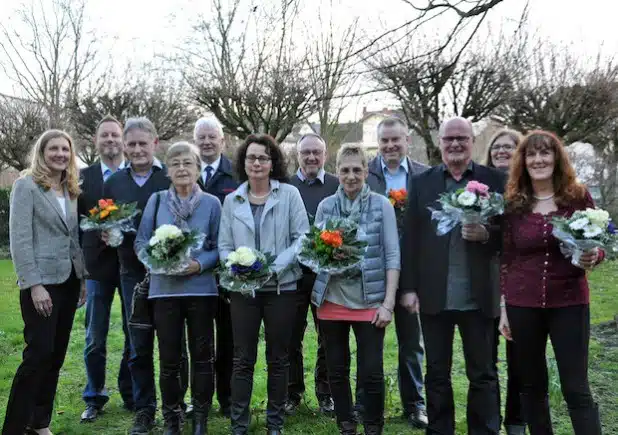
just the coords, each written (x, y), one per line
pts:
(448, 280)
(314, 185)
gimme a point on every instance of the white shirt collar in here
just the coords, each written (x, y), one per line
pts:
(403, 164)
(320, 176)
(105, 168)
(214, 165)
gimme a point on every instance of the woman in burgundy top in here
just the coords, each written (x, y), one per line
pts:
(543, 293)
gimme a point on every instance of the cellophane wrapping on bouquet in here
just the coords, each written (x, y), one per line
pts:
(335, 247)
(115, 219)
(246, 270)
(473, 204)
(169, 250)
(583, 231)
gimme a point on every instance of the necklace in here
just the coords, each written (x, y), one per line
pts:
(259, 197)
(544, 198)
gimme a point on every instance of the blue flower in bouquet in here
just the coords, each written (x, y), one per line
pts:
(611, 228)
(245, 270)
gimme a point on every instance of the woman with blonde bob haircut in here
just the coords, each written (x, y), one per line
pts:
(43, 233)
(501, 147)
(543, 294)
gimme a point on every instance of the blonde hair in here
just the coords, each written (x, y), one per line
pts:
(514, 135)
(40, 172)
(351, 150)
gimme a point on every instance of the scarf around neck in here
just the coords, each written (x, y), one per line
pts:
(351, 208)
(182, 209)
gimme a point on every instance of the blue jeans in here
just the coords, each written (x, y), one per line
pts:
(141, 362)
(98, 308)
(411, 352)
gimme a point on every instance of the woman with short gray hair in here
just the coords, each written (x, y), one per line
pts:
(190, 298)
(362, 300)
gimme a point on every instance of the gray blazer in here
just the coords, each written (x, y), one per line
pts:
(44, 243)
(284, 221)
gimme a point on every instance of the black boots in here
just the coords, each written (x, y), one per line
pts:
(200, 419)
(586, 421)
(347, 428)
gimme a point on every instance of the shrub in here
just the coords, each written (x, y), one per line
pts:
(4, 217)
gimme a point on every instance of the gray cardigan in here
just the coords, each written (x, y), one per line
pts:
(44, 242)
(283, 222)
(205, 219)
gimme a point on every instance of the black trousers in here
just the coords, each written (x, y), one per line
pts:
(224, 352)
(569, 331)
(278, 313)
(296, 385)
(513, 413)
(34, 386)
(478, 337)
(369, 354)
(171, 314)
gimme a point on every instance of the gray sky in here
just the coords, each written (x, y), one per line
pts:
(140, 29)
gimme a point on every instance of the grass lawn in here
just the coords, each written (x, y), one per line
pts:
(603, 372)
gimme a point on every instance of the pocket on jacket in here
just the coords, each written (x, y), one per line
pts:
(48, 266)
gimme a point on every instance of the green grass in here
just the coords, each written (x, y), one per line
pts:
(603, 372)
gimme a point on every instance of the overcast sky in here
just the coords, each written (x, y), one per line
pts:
(143, 28)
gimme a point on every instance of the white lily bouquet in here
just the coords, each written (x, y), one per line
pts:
(246, 270)
(474, 204)
(169, 251)
(584, 231)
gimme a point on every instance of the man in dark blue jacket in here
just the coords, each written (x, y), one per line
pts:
(217, 179)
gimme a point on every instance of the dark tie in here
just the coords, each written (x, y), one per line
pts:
(208, 174)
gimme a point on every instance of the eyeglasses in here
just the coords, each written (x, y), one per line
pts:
(178, 165)
(262, 159)
(503, 147)
(459, 139)
(307, 153)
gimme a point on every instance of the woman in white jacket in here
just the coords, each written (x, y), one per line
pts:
(266, 214)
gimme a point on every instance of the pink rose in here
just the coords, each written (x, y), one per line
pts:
(478, 188)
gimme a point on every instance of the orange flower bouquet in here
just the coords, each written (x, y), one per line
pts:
(111, 217)
(398, 198)
(332, 247)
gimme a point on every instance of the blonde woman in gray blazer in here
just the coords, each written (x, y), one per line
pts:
(268, 215)
(43, 225)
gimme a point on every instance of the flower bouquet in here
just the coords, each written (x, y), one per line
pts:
(111, 217)
(585, 230)
(473, 204)
(332, 247)
(246, 270)
(169, 251)
(398, 198)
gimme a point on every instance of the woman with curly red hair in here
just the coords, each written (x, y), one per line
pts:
(544, 295)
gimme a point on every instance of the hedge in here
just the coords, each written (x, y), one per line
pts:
(4, 217)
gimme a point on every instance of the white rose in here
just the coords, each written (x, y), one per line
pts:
(579, 224)
(168, 232)
(591, 231)
(467, 199)
(232, 258)
(153, 241)
(246, 257)
(598, 217)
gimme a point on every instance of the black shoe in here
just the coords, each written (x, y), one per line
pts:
(347, 428)
(143, 423)
(515, 429)
(327, 406)
(274, 432)
(373, 429)
(357, 414)
(188, 410)
(291, 406)
(418, 419)
(226, 411)
(91, 414)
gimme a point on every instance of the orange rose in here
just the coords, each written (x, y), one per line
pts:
(103, 203)
(103, 214)
(93, 211)
(111, 208)
(332, 238)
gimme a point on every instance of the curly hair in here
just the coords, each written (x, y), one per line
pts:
(519, 194)
(41, 174)
(514, 135)
(279, 168)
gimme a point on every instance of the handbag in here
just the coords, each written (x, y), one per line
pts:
(141, 309)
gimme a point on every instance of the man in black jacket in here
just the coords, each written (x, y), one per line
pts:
(217, 178)
(391, 170)
(448, 279)
(314, 185)
(102, 264)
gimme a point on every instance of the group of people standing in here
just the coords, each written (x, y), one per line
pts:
(508, 275)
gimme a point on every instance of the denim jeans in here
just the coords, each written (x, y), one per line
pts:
(171, 314)
(369, 354)
(278, 313)
(100, 296)
(411, 353)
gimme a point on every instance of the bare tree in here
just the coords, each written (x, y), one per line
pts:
(21, 123)
(250, 84)
(49, 54)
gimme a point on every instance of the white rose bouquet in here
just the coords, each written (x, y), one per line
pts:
(169, 251)
(474, 204)
(584, 231)
(246, 270)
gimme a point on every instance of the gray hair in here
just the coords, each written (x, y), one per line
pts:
(209, 122)
(180, 148)
(308, 135)
(352, 150)
(140, 123)
(392, 121)
(456, 118)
